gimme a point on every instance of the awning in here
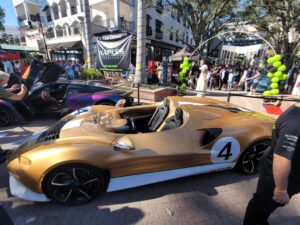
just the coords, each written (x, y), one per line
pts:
(186, 51)
(66, 45)
(18, 47)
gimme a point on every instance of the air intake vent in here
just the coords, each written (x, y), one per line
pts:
(52, 132)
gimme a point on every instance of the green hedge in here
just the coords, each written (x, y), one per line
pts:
(91, 73)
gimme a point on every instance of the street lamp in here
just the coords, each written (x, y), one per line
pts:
(37, 18)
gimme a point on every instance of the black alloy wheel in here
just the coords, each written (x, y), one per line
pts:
(249, 161)
(74, 184)
(6, 117)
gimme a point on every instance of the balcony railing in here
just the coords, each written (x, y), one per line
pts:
(159, 34)
(50, 34)
(64, 13)
(76, 30)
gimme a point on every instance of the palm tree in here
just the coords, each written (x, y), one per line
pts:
(141, 42)
(88, 33)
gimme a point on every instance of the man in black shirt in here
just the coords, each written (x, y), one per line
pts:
(279, 178)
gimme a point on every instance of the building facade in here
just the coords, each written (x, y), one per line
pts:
(19, 41)
(62, 22)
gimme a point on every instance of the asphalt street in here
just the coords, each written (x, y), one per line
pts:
(211, 199)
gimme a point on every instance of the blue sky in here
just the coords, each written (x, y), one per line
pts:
(10, 15)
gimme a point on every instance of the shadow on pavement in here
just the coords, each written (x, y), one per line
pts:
(12, 136)
(51, 213)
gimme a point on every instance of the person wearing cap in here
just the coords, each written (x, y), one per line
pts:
(8, 93)
(279, 178)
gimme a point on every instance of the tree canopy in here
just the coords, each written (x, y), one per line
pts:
(205, 17)
(278, 22)
(2, 15)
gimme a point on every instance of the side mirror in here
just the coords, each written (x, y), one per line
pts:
(123, 144)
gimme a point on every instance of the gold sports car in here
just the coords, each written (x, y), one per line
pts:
(103, 148)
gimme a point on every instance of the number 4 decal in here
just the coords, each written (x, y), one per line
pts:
(226, 149)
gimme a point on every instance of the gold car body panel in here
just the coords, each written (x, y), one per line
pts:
(88, 143)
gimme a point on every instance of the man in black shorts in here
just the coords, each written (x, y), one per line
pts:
(279, 178)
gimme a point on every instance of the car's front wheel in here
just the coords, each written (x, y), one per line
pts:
(249, 161)
(74, 184)
(6, 117)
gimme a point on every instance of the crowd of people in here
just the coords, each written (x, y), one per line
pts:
(204, 78)
(72, 68)
(13, 66)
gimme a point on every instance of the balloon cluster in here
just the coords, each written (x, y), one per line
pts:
(275, 73)
(183, 76)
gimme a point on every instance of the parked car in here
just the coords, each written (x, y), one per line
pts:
(103, 148)
(49, 98)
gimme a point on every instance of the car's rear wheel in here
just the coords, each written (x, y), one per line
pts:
(249, 161)
(6, 117)
(74, 184)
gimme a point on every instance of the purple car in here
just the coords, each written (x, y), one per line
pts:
(48, 98)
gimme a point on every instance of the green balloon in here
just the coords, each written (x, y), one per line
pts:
(271, 60)
(183, 85)
(275, 80)
(282, 68)
(278, 74)
(277, 57)
(274, 85)
(185, 64)
(275, 91)
(284, 77)
(270, 75)
(181, 65)
(181, 73)
(186, 59)
(267, 93)
(277, 64)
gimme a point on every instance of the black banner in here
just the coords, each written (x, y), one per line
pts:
(114, 55)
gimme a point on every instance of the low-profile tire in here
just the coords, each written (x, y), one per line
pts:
(6, 117)
(105, 102)
(75, 184)
(248, 162)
